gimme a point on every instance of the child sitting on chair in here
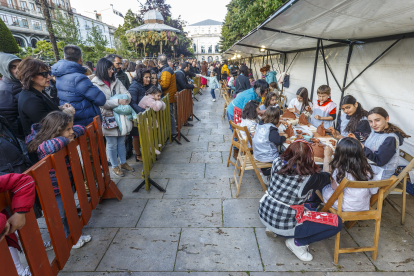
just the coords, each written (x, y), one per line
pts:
(270, 100)
(249, 119)
(349, 161)
(267, 138)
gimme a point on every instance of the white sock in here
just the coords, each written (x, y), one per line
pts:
(16, 259)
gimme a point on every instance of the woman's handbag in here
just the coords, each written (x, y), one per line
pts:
(109, 122)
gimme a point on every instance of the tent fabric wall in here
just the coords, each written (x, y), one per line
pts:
(387, 83)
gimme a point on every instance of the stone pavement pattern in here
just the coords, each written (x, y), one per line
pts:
(199, 226)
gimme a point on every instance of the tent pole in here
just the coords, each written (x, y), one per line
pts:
(250, 61)
(267, 58)
(263, 61)
(375, 60)
(324, 63)
(314, 69)
(284, 63)
(351, 46)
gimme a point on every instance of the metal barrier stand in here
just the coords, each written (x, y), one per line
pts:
(154, 130)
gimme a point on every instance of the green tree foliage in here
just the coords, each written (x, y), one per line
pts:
(66, 28)
(243, 16)
(158, 5)
(7, 42)
(43, 51)
(131, 21)
(97, 42)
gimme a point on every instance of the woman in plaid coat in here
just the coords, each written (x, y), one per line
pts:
(294, 177)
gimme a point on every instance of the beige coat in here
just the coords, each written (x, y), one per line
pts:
(106, 109)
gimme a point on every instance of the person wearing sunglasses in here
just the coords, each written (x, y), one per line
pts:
(119, 73)
(34, 104)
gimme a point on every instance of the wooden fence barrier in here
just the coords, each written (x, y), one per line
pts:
(100, 188)
(184, 110)
(197, 81)
(154, 130)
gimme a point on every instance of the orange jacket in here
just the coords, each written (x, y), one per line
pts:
(167, 82)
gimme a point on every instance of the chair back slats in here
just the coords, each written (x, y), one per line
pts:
(245, 130)
(8, 267)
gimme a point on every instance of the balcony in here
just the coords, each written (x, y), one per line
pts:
(20, 23)
(87, 27)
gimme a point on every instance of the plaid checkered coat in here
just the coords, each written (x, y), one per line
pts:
(286, 189)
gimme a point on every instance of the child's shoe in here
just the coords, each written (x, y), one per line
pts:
(86, 238)
(79, 244)
(157, 152)
(300, 251)
(269, 233)
(127, 167)
(214, 100)
(264, 178)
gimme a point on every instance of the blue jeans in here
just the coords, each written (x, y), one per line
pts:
(62, 214)
(212, 93)
(230, 117)
(116, 148)
(309, 232)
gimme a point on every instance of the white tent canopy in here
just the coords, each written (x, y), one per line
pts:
(355, 35)
(154, 27)
(298, 23)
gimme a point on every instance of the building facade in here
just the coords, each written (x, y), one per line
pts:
(25, 19)
(112, 17)
(205, 36)
(86, 23)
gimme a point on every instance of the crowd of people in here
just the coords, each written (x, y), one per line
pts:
(43, 108)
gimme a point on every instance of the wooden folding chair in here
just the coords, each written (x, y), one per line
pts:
(226, 103)
(282, 102)
(246, 161)
(401, 186)
(234, 143)
(372, 214)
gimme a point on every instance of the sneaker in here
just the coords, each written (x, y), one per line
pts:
(264, 178)
(127, 167)
(214, 100)
(48, 245)
(269, 233)
(86, 238)
(25, 272)
(79, 244)
(157, 152)
(300, 251)
(118, 171)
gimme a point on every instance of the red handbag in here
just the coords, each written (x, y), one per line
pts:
(237, 115)
(319, 217)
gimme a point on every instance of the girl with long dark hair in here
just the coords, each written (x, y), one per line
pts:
(383, 144)
(140, 84)
(301, 104)
(49, 136)
(294, 177)
(353, 122)
(349, 161)
(106, 81)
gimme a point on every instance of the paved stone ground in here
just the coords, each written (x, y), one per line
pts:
(198, 225)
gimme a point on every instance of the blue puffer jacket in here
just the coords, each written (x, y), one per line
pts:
(75, 88)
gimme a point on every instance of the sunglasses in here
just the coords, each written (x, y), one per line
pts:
(45, 74)
(112, 69)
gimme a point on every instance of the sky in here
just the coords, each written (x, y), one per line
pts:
(192, 11)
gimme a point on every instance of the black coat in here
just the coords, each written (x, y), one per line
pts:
(137, 91)
(218, 73)
(123, 78)
(181, 80)
(33, 107)
(242, 83)
(9, 94)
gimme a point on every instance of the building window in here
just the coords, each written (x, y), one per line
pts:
(33, 43)
(39, 8)
(20, 41)
(15, 22)
(202, 58)
(37, 25)
(216, 49)
(23, 4)
(25, 23)
(210, 49)
(32, 7)
(10, 3)
(217, 58)
(4, 18)
(210, 59)
(203, 49)
(63, 3)
(195, 47)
